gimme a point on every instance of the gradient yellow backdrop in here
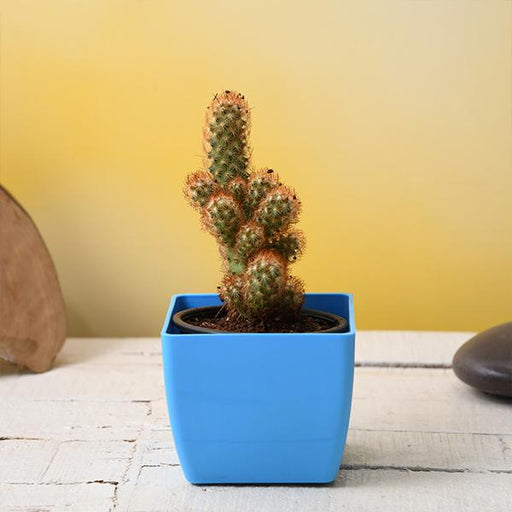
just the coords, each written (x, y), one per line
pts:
(391, 118)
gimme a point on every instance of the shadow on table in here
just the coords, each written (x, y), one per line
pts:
(88, 350)
(486, 397)
(75, 351)
(7, 369)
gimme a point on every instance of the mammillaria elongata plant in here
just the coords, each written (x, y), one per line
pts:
(251, 214)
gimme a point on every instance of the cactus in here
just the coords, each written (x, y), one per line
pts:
(251, 214)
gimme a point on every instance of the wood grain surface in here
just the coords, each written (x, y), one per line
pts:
(93, 435)
(32, 313)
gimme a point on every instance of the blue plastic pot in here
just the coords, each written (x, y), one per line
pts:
(259, 408)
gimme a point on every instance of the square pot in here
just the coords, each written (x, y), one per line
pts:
(259, 407)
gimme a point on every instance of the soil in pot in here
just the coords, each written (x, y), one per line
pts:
(215, 319)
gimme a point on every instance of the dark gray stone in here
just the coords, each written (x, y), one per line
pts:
(485, 361)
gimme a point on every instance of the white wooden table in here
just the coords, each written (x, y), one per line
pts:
(93, 435)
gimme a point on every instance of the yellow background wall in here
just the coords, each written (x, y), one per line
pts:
(391, 118)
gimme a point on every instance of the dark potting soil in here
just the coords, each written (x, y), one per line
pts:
(305, 323)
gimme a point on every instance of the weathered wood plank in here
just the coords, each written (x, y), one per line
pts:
(71, 420)
(163, 488)
(63, 462)
(387, 449)
(406, 348)
(85, 461)
(25, 461)
(87, 382)
(110, 351)
(153, 438)
(158, 446)
(424, 400)
(88, 497)
(94, 431)
(430, 400)
(427, 451)
(82, 462)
